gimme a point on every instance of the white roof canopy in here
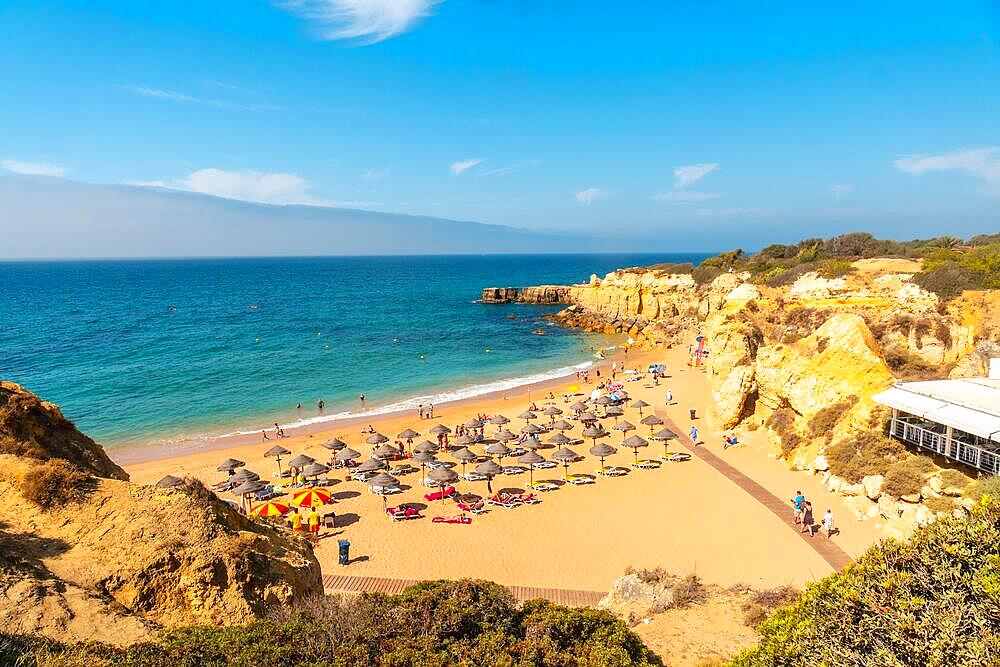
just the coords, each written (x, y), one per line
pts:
(971, 405)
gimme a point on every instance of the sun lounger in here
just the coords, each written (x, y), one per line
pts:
(438, 495)
(385, 490)
(504, 500)
(676, 456)
(266, 493)
(222, 486)
(362, 476)
(544, 465)
(513, 470)
(473, 476)
(475, 508)
(543, 486)
(530, 498)
(612, 471)
(580, 479)
(647, 464)
(405, 469)
(403, 513)
(460, 519)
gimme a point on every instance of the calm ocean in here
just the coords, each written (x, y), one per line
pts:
(139, 351)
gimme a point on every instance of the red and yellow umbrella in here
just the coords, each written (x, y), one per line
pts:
(311, 497)
(272, 508)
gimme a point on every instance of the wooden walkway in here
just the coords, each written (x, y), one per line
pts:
(827, 549)
(347, 584)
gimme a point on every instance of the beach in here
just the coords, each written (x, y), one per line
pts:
(685, 517)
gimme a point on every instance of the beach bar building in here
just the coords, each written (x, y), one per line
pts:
(958, 419)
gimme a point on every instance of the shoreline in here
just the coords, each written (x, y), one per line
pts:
(152, 451)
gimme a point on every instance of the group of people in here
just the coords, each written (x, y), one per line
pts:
(311, 520)
(803, 513)
(278, 433)
(425, 412)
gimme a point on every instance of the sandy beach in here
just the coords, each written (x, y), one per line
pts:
(684, 517)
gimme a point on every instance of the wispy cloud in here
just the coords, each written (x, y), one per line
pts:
(367, 21)
(685, 176)
(503, 171)
(736, 212)
(32, 168)
(841, 190)
(585, 197)
(174, 96)
(982, 163)
(458, 168)
(244, 185)
(376, 174)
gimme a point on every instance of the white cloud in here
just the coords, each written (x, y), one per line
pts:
(368, 21)
(842, 190)
(245, 185)
(685, 196)
(692, 173)
(376, 174)
(982, 163)
(173, 96)
(589, 195)
(503, 171)
(457, 168)
(687, 175)
(32, 168)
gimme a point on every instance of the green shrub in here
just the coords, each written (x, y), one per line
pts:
(781, 420)
(986, 486)
(705, 274)
(762, 603)
(869, 453)
(940, 504)
(907, 476)
(823, 422)
(835, 268)
(954, 478)
(55, 483)
(931, 601)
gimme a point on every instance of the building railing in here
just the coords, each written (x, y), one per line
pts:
(953, 448)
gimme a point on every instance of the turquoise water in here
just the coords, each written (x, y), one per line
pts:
(140, 351)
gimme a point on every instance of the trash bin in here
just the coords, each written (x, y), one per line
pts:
(694, 414)
(345, 551)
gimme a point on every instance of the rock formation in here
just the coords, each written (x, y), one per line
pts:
(128, 559)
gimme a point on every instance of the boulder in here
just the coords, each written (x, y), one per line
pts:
(862, 508)
(873, 486)
(927, 492)
(935, 483)
(911, 498)
(951, 491)
(834, 484)
(887, 507)
(852, 489)
(820, 464)
(923, 515)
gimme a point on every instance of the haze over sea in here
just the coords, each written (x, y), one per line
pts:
(168, 350)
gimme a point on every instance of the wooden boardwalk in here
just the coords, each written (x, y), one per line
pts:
(348, 584)
(827, 549)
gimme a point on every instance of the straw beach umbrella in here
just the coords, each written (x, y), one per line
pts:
(531, 429)
(426, 447)
(603, 400)
(587, 416)
(602, 451)
(385, 451)
(408, 434)
(579, 406)
(315, 470)
(595, 432)
(530, 458)
(640, 404)
(634, 443)
(229, 465)
(277, 452)
(499, 420)
(371, 465)
(169, 482)
(335, 444)
(504, 435)
(442, 476)
(664, 435)
(651, 421)
(560, 439)
(624, 427)
(347, 454)
(382, 480)
(464, 455)
(301, 461)
(245, 475)
(423, 458)
(565, 456)
(552, 412)
(615, 411)
(247, 488)
(499, 450)
(527, 416)
(376, 439)
(561, 425)
(489, 468)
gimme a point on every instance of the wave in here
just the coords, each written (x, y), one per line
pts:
(411, 403)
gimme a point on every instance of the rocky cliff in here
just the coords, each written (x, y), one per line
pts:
(123, 560)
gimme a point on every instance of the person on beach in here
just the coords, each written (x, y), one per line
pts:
(314, 521)
(430, 411)
(278, 432)
(797, 502)
(296, 522)
(298, 406)
(420, 411)
(693, 434)
(828, 524)
(263, 437)
(670, 397)
(807, 519)
(320, 404)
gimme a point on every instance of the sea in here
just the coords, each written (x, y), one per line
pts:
(165, 351)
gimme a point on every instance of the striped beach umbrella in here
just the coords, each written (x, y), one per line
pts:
(311, 497)
(272, 508)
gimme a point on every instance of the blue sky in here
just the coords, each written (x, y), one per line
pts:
(724, 120)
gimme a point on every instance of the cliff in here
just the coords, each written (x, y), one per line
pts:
(118, 561)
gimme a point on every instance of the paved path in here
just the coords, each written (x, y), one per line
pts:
(345, 583)
(831, 553)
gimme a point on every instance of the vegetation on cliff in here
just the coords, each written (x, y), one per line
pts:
(432, 623)
(933, 600)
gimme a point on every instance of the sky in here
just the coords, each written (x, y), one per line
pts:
(697, 125)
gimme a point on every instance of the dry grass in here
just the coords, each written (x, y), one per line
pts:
(55, 483)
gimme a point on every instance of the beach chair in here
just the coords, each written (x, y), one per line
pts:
(542, 485)
(544, 465)
(265, 494)
(578, 479)
(330, 520)
(513, 470)
(385, 490)
(458, 518)
(673, 457)
(612, 471)
(647, 464)
(478, 507)
(402, 513)
(504, 500)
(473, 476)
(530, 498)
(405, 469)
(362, 476)
(222, 486)
(439, 495)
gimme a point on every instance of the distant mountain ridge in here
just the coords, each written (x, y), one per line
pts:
(45, 217)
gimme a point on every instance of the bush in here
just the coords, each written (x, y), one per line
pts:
(835, 268)
(947, 281)
(929, 601)
(762, 603)
(823, 422)
(940, 504)
(907, 477)
(869, 453)
(55, 483)
(657, 575)
(986, 486)
(432, 623)
(705, 274)
(781, 420)
(688, 591)
(954, 478)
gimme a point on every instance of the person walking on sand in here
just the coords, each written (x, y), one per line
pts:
(314, 521)
(828, 524)
(430, 411)
(807, 519)
(670, 397)
(420, 411)
(263, 436)
(693, 434)
(797, 505)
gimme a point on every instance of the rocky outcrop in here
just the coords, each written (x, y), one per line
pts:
(130, 559)
(32, 428)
